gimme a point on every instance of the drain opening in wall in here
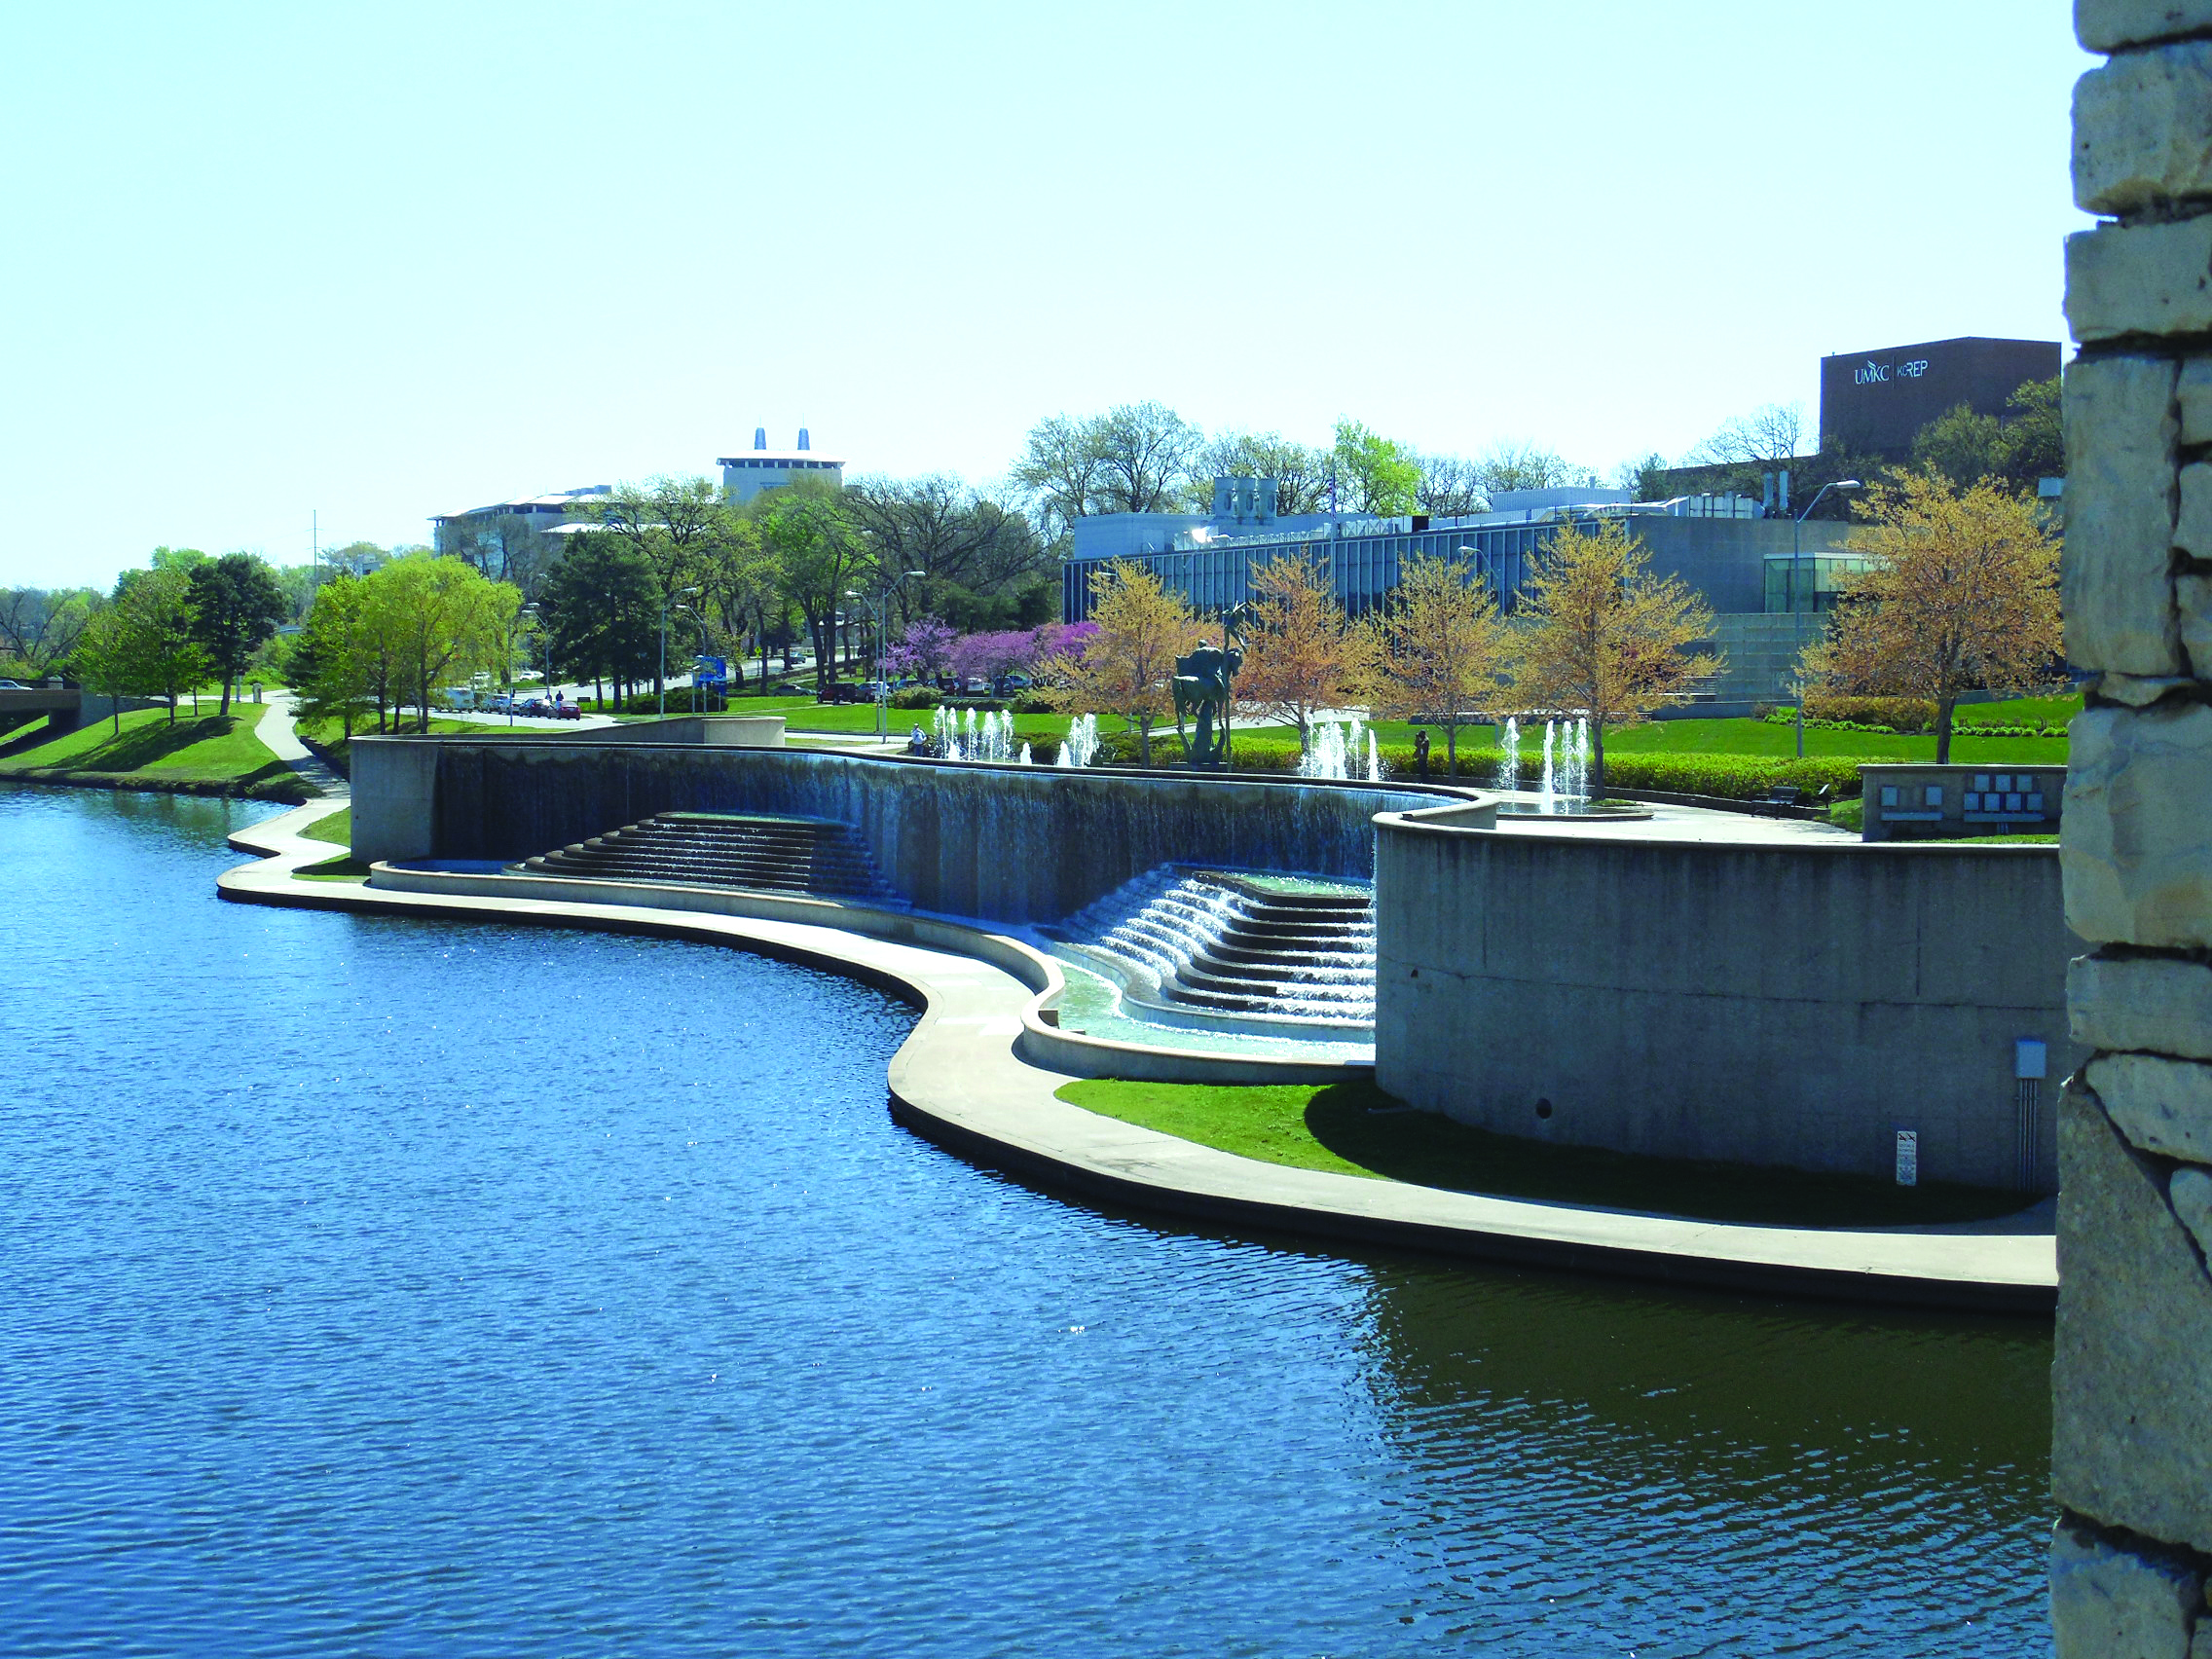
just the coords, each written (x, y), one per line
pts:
(1543, 1108)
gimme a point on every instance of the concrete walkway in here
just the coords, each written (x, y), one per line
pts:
(280, 734)
(1674, 824)
(958, 1081)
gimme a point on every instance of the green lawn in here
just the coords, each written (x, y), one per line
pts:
(1356, 1129)
(338, 828)
(210, 752)
(339, 748)
(344, 867)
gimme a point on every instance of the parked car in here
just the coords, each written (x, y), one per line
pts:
(568, 711)
(534, 706)
(13, 685)
(500, 702)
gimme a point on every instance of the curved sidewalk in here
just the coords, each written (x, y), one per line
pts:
(959, 1080)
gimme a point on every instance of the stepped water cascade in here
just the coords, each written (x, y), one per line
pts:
(1334, 747)
(1081, 742)
(1214, 942)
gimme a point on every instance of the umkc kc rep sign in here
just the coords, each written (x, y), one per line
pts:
(1873, 374)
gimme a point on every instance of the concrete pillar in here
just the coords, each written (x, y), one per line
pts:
(2131, 1433)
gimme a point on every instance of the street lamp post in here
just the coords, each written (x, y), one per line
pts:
(882, 603)
(1797, 557)
(665, 605)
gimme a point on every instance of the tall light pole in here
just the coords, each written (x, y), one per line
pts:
(665, 605)
(1796, 557)
(882, 603)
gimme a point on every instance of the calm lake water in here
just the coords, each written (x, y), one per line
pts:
(380, 1287)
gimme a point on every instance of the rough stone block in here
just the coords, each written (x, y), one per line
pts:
(2190, 1193)
(2193, 613)
(2107, 25)
(2161, 1005)
(2137, 853)
(2195, 394)
(2140, 693)
(2132, 1390)
(2161, 1106)
(2143, 130)
(2192, 522)
(2130, 279)
(2122, 424)
(2111, 1603)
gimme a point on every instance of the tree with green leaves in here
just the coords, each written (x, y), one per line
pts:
(674, 524)
(603, 607)
(236, 605)
(1601, 636)
(1375, 474)
(2015, 452)
(156, 612)
(807, 527)
(437, 618)
(333, 673)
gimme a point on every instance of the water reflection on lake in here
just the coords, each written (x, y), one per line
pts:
(387, 1287)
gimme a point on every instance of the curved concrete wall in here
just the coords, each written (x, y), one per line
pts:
(1767, 1003)
(1009, 843)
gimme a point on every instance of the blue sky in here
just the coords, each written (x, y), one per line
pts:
(383, 262)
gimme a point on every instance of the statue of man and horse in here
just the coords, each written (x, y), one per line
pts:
(1202, 684)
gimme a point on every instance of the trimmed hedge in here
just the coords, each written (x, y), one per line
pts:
(916, 698)
(1733, 777)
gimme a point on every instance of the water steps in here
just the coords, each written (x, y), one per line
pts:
(753, 851)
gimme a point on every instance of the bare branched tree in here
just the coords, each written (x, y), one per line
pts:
(1772, 432)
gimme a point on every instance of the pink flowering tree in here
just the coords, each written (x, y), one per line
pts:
(924, 648)
(986, 656)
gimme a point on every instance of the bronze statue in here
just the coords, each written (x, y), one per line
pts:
(1202, 685)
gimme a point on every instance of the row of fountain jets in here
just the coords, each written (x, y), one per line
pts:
(1338, 748)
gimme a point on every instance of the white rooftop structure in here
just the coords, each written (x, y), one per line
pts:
(747, 474)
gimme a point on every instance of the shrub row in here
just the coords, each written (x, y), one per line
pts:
(1732, 777)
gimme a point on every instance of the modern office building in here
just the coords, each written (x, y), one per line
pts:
(1876, 402)
(500, 521)
(1767, 579)
(745, 476)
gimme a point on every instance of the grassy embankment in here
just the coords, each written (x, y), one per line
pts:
(337, 748)
(208, 754)
(337, 829)
(1356, 1129)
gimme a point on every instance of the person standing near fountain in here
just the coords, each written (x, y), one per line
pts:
(1420, 753)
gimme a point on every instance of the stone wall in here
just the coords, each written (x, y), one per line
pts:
(2132, 1452)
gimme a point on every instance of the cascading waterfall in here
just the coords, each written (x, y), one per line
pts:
(1205, 946)
(1509, 763)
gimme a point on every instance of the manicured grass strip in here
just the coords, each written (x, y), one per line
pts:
(338, 828)
(212, 751)
(344, 867)
(1356, 1129)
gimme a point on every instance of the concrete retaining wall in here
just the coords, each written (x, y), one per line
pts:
(1005, 843)
(1782, 1005)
